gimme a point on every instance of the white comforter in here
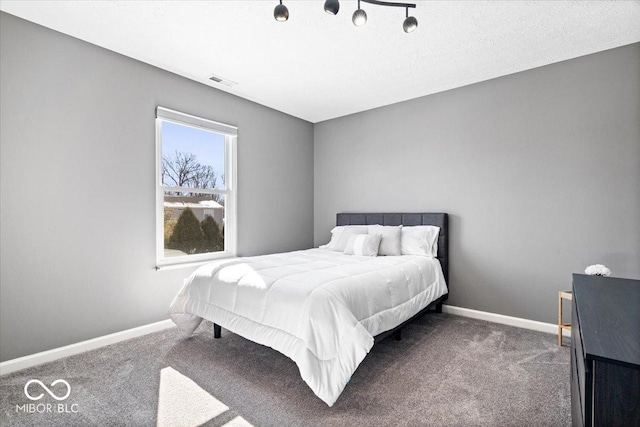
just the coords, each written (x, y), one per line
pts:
(318, 307)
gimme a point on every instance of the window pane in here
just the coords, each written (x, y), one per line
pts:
(192, 157)
(193, 223)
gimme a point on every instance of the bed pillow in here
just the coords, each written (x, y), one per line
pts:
(390, 243)
(420, 240)
(335, 235)
(336, 232)
(342, 241)
(363, 244)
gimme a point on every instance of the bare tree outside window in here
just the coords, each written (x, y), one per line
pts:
(181, 169)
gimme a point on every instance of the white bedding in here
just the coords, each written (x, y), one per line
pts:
(318, 307)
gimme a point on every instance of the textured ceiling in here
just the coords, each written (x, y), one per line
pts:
(317, 66)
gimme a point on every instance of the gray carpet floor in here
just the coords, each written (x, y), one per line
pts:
(446, 371)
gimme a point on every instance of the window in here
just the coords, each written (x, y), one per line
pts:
(196, 188)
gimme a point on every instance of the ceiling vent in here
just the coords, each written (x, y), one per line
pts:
(222, 81)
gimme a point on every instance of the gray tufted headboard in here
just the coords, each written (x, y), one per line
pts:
(438, 219)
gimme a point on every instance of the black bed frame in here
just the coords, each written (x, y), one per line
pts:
(407, 219)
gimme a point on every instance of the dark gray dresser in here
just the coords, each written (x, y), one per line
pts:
(605, 351)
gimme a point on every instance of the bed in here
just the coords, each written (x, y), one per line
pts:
(319, 307)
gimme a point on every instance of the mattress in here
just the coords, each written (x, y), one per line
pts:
(318, 307)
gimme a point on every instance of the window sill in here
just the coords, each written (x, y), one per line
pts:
(190, 264)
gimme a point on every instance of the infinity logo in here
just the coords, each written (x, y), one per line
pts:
(52, 394)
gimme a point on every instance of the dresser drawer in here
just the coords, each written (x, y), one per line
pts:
(582, 377)
(577, 419)
(576, 335)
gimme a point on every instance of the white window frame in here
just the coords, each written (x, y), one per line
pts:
(230, 191)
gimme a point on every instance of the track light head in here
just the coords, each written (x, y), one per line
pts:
(359, 18)
(281, 13)
(410, 24)
(332, 7)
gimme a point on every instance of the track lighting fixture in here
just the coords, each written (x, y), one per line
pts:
(410, 23)
(281, 13)
(359, 17)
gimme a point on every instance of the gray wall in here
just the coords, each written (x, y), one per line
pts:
(539, 170)
(77, 186)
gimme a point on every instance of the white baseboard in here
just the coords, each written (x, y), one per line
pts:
(58, 353)
(505, 320)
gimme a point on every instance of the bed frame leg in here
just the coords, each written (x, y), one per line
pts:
(439, 308)
(398, 335)
(217, 330)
